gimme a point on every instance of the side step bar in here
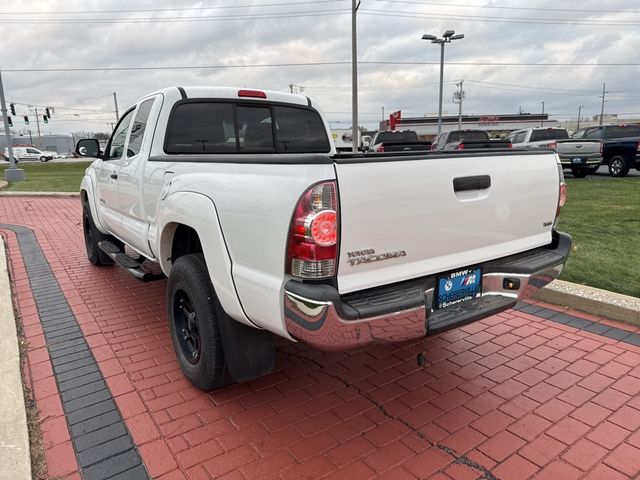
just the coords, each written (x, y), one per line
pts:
(132, 266)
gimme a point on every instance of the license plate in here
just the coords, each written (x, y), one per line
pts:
(577, 160)
(458, 287)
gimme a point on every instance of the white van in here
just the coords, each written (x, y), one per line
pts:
(28, 153)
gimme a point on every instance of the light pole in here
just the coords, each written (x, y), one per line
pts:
(447, 37)
(579, 110)
(542, 117)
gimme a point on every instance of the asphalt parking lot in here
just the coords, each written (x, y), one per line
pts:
(533, 392)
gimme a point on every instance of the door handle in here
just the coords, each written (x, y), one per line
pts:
(114, 176)
(477, 182)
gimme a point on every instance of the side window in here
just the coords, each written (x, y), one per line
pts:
(520, 137)
(592, 133)
(116, 144)
(139, 127)
(31, 150)
(299, 130)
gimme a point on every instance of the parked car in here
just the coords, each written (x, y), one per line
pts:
(581, 156)
(404, 141)
(240, 199)
(28, 153)
(466, 139)
(619, 146)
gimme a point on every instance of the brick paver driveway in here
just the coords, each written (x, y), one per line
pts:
(541, 394)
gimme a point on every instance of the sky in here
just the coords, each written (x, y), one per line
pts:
(72, 55)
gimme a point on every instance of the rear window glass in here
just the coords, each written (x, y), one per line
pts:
(397, 137)
(218, 127)
(548, 134)
(468, 136)
(621, 131)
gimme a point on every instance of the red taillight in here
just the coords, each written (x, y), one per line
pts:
(562, 194)
(510, 145)
(313, 238)
(252, 93)
(552, 145)
(637, 148)
(460, 146)
(380, 148)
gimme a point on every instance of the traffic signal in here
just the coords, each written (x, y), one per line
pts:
(46, 110)
(45, 119)
(26, 120)
(13, 108)
(9, 121)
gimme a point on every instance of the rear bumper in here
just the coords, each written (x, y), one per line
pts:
(320, 316)
(567, 161)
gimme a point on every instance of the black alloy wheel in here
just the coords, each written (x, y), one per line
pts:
(186, 327)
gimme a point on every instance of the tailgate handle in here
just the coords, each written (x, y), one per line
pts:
(478, 182)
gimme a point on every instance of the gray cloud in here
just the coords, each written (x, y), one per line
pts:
(382, 36)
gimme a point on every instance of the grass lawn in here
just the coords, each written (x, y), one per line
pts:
(603, 217)
(47, 177)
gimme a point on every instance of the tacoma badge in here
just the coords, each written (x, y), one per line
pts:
(369, 255)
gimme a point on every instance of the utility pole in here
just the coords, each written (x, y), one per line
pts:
(38, 124)
(355, 137)
(603, 100)
(579, 110)
(458, 97)
(11, 174)
(542, 119)
(383, 113)
(115, 102)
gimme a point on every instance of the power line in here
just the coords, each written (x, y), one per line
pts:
(254, 16)
(502, 7)
(315, 64)
(183, 9)
(476, 18)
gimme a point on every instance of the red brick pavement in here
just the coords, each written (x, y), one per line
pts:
(514, 395)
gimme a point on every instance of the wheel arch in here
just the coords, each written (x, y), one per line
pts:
(87, 193)
(188, 223)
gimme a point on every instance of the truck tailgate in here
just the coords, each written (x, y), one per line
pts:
(401, 217)
(578, 147)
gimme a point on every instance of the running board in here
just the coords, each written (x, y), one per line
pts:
(132, 266)
(467, 312)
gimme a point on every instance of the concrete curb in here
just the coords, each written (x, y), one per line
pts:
(3, 184)
(592, 300)
(15, 454)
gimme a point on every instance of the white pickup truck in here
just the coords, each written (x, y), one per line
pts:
(262, 230)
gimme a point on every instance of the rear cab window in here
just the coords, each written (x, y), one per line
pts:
(549, 134)
(202, 126)
(622, 131)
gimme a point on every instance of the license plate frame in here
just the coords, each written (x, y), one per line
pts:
(451, 291)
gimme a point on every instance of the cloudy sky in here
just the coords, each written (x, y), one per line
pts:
(74, 54)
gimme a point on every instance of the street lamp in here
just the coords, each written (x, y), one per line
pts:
(447, 37)
(579, 110)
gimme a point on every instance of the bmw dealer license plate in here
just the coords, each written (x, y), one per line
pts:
(458, 287)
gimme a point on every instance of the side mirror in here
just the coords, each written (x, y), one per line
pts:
(88, 147)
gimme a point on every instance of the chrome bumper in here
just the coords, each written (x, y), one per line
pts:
(319, 323)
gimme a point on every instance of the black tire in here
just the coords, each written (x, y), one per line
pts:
(194, 314)
(618, 166)
(579, 172)
(92, 236)
(44, 159)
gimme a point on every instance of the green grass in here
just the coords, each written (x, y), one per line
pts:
(603, 217)
(47, 177)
